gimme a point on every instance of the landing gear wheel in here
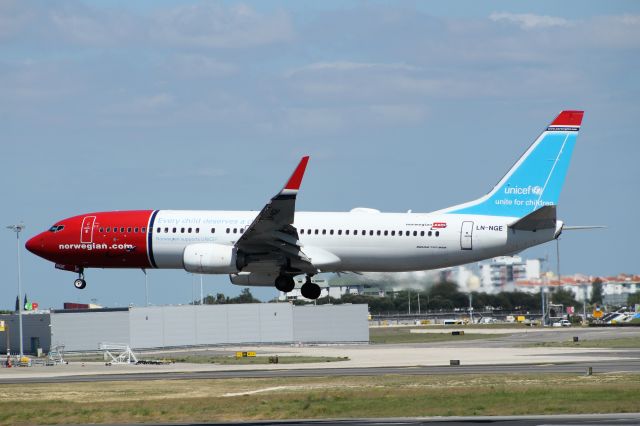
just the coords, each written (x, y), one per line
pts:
(285, 283)
(80, 283)
(310, 290)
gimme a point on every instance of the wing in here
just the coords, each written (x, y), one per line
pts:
(271, 236)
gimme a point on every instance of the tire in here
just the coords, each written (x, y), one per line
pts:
(285, 283)
(79, 283)
(310, 291)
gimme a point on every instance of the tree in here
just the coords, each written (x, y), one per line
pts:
(563, 297)
(446, 295)
(219, 299)
(17, 303)
(244, 297)
(634, 299)
(596, 292)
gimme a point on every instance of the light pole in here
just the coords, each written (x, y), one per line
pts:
(146, 287)
(201, 293)
(17, 229)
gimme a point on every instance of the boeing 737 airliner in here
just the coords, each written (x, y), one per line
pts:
(271, 247)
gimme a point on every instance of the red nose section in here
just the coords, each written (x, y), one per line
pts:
(35, 245)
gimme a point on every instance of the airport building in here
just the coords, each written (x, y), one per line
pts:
(178, 326)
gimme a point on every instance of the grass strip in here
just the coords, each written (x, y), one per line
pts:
(328, 397)
(390, 335)
(618, 343)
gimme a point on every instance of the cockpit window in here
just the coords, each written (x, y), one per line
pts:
(56, 228)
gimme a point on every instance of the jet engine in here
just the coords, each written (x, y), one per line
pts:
(212, 259)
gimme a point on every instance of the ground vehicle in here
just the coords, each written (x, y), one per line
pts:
(563, 323)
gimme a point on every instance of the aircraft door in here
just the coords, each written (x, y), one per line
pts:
(86, 233)
(466, 236)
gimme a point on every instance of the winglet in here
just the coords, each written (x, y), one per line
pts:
(293, 184)
(568, 119)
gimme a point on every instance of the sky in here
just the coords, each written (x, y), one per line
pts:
(117, 105)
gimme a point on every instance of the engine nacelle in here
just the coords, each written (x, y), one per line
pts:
(211, 259)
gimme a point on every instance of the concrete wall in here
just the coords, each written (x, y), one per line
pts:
(33, 326)
(171, 326)
(85, 330)
(331, 323)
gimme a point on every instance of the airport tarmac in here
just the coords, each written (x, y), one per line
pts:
(549, 420)
(495, 355)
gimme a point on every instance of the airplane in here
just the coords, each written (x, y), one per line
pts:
(272, 246)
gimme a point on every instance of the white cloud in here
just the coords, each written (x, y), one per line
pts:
(92, 27)
(192, 172)
(13, 18)
(406, 114)
(529, 21)
(345, 66)
(630, 19)
(200, 24)
(141, 105)
(214, 26)
(200, 66)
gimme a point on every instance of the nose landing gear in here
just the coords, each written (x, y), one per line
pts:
(80, 283)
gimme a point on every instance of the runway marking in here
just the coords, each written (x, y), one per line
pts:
(274, 388)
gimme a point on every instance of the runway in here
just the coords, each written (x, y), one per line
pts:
(622, 366)
(548, 420)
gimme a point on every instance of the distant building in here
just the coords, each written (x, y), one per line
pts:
(615, 290)
(502, 273)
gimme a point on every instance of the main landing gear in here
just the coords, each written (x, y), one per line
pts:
(310, 290)
(285, 283)
(80, 283)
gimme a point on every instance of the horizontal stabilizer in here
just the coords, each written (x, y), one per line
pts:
(543, 218)
(582, 227)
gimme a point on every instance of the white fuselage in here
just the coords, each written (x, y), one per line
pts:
(361, 241)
